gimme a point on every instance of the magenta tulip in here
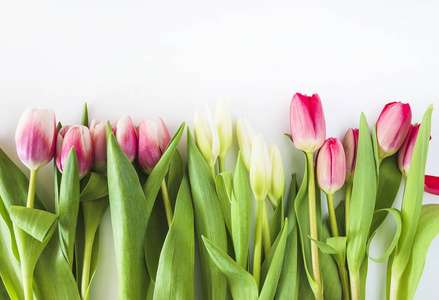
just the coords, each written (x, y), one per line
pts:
(406, 151)
(153, 140)
(126, 136)
(431, 184)
(79, 137)
(35, 137)
(392, 127)
(350, 145)
(99, 138)
(307, 122)
(331, 166)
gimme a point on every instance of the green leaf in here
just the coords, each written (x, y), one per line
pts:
(224, 189)
(242, 284)
(326, 248)
(363, 199)
(95, 187)
(277, 220)
(3, 292)
(241, 214)
(84, 119)
(37, 223)
(413, 194)
(175, 275)
(129, 220)
(5, 216)
(272, 266)
(208, 219)
(175, 176)
(328, 266)
(69, 205)
(375, 149)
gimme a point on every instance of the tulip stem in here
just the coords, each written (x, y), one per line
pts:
(266, 230)
(222, 164)
(348, 204)
(167, 203)
(212, 170)
(258, 242)
(31, 191)
(318, 293)
(355, 286)
(27, 283)
(332, 219)
(88, 249)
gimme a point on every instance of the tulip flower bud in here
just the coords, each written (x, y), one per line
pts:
(224, 127)
(153, 140)
(126, 136)
(277, 189)
(98, 131)
(245, 135)
(77, 136)
(260, 169)
(406, 151)
(331, 166)
(350, 145)
(35, 137)
(307, 122)
(206, 137)
(392, 127)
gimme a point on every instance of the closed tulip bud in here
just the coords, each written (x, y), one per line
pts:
(35, 137)
(277, 189)
(406, 151)
(350, 145)
(224, 127)
(153, 140)
(126, 135)
(98, 131)
(260, 169)
(245, 135)
(206, 137)
(331, 166)
(307, 122)
(79, 137)
(392, 127)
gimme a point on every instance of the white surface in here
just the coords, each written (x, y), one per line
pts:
(169, 58)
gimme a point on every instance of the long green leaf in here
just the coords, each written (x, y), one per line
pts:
(95, 187)
(6, 218)
(175, 275)
(175, 176)
(209, 220)
(224, 189)
(277, 220)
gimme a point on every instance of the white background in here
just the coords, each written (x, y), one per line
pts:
(170, 58)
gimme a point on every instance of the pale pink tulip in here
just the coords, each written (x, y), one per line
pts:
(153, 140)
(307, 122)
(98, 131)
(126, 136)
(331, 166)
(350, 145)
(35, 137)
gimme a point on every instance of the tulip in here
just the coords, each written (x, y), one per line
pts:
(79, 137)
(260, 169)
(431, 184)
(277, 189)
(206, 137)
(350, 145)
(331, 166)
(35, 137)
(153, 140)
(406, 151)
(307, 122)
(245, 135)
(392, 127)
(224, 127)
(98, 131)
(126, 136)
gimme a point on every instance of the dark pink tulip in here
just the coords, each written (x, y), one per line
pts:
(307, 122)
(126, 136)
(406, 151)
(392, 127)
(98, 131)
(153, 140)
(431, 184)
(35, 137)
(77, 136)
(350, 145)
(331, 166)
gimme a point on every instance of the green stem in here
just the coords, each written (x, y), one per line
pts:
(394, 287)
(355, 285)
(27, 282)
(86, 266)
(222, 164)
(167, 203)
(266, 231)
(258, 242)
(348, 204)
(332, 219)
(343, 277)
(31, 191)
(212, 170)
(313, 227)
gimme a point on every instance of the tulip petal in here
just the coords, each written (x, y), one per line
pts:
(431, 184)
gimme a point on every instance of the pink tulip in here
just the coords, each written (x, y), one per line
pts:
(35, 137)
(126, 136)
(392, 127)
(77, 136)
(307, 122)
(431, 184)
(406, 151)
(153, 140)
(98, 131)
(331, 166)
(350, 145)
